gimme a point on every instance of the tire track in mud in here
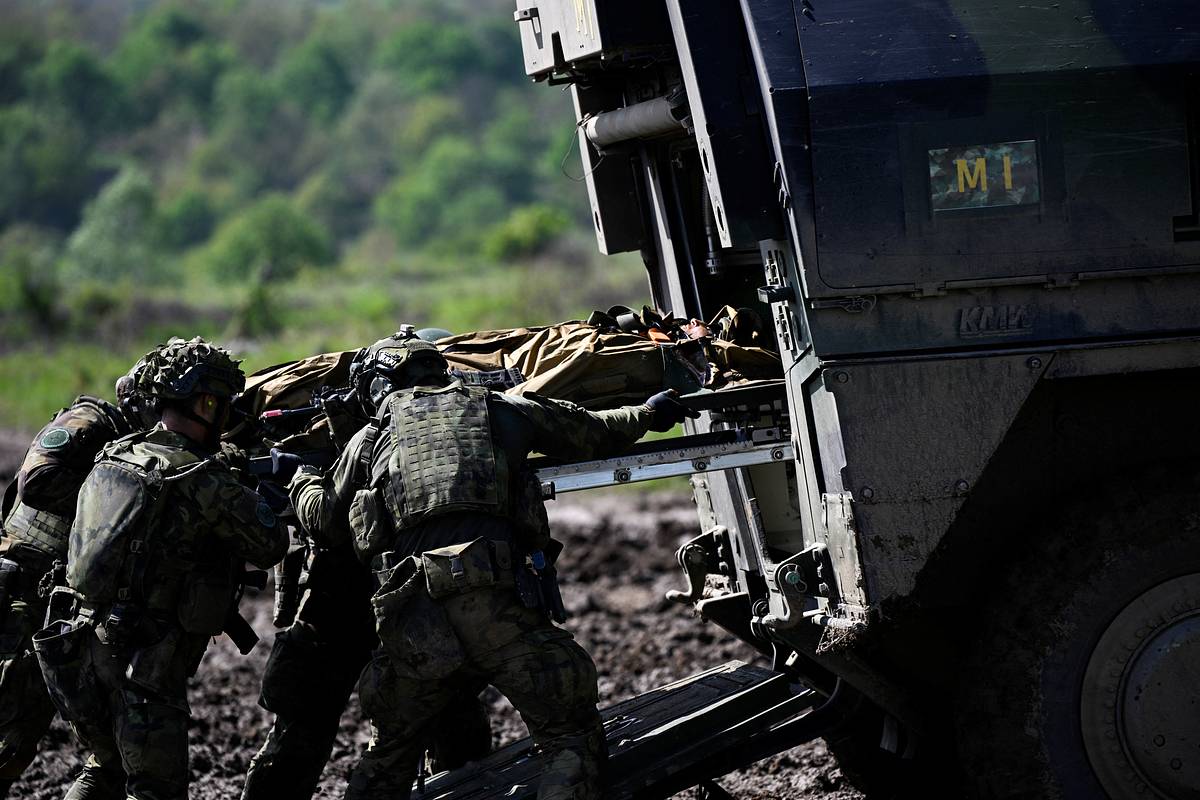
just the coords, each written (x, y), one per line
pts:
(618, 562)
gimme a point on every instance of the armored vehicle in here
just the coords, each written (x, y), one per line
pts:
(974, 230)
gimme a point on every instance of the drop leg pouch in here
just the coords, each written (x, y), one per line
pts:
(64, 653)
(413, 628)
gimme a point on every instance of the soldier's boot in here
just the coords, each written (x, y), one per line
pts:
(95, 783)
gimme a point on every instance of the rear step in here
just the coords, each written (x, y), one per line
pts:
(668, 739)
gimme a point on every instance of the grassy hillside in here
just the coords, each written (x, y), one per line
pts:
(284, 177)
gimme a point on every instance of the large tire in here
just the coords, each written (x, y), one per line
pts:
(1086, 681)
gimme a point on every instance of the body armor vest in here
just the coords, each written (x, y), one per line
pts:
(443, 459)
(63, 454)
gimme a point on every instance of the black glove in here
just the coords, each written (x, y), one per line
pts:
(234, 457)
(668, 411)
(284, 465)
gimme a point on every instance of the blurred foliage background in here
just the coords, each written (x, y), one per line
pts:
(285, 176)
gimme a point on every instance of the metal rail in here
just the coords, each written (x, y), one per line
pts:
(744, 447)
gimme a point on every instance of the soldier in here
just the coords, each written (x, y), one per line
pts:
(315, 664)
(445, 509)
(155, 556)
(39, 506)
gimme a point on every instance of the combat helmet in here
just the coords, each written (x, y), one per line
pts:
(392, 363)
(181, 369)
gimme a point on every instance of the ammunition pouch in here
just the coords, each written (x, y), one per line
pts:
(45, 532)
(464, 567)
(370, 522)
(65, 654)
(413, 628)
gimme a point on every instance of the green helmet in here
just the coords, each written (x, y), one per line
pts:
(181, 369)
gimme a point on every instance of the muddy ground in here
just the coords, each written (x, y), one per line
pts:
(617, 565)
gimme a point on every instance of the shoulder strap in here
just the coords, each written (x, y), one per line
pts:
(361, 475)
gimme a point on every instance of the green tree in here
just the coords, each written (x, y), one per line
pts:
(116, 240)
(170, 58)
(18, 55)
(45, 161)
(427, 120)
(73, 78)
(361, 161)
(313, 77)
(269, 241)
(427, 56)
(257, 139)
(412, 205)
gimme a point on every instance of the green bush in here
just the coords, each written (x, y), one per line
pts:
(526, 232)
(186, 220)
(117, 238)
(269, 241)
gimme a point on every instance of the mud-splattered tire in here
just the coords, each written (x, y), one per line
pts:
(1086, 681)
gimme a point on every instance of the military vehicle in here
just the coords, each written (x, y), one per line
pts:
(968, 518)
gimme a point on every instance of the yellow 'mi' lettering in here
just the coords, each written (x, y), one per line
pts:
(1008, 173)
(972, 179)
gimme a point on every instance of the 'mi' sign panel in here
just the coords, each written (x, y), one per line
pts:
(984, 176)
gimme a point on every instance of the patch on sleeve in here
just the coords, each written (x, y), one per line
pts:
(55, 439)
(265, 515)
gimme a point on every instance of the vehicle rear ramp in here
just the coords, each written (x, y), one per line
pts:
(684, 734)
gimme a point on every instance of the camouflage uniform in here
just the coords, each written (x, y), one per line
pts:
(154, 561)
(468, 473)
(39, 509)
(313, 668)
(210, 524)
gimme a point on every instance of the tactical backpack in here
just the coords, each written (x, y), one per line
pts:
(110, 546)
